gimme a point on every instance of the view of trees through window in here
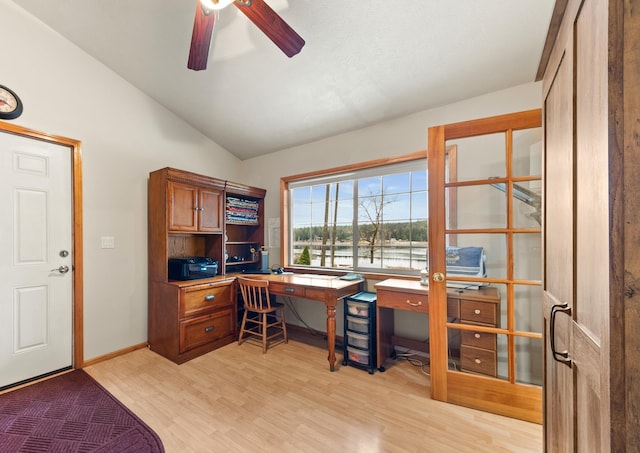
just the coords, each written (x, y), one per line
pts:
(368, 220)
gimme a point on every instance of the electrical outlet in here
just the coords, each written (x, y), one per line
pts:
(108, 242)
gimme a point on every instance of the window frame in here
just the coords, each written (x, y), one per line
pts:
(285, 222)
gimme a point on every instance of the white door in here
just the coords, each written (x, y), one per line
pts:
(36, 328)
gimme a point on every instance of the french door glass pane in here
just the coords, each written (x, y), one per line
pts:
(494, 247)
(480, 157)
(528, 308)
(527, 205)
(527, 256)
(528, 360)
(503, 356)
(477, 206)
(527, 152)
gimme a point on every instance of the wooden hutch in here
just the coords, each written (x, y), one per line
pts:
(194, 215)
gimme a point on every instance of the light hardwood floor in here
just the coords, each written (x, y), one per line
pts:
(236, 399)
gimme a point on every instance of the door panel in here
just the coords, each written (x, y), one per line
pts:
(558, 268)
(590, 332)
(577, 367)
(36, 302)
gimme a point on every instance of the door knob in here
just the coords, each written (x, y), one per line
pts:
(438, 277)
(61, 269)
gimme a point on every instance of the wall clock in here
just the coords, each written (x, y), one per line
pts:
(10, 104)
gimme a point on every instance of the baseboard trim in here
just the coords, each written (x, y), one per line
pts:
(306, 332)
(112, 355)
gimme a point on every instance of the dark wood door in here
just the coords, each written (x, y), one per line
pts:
(576, 270)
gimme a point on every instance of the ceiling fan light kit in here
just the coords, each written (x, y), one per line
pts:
(216, 4)
(258, 12)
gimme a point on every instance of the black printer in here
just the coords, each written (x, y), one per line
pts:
(191, 268)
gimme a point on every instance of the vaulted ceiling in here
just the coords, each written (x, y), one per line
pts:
(364, 62)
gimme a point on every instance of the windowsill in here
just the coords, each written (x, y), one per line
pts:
(338, 273)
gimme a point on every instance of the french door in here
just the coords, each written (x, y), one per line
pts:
(487, 356)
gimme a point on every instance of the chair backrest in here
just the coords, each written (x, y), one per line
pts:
(255, 293)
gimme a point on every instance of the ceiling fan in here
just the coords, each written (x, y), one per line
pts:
(265, 18)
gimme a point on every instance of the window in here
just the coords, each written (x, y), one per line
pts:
(369, 220)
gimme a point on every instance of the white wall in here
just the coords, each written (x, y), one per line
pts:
(124, 135)
(393, 138)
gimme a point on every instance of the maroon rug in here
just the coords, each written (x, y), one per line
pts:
(71, 413)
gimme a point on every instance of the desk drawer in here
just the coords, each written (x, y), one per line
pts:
(482, 340)
(205, 329)
(286, 290)
(403, 301)
(200, 299)
(479, 312)
(478, 360)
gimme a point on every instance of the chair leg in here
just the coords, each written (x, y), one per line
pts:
(264, 333)
(284, 326)
(244, 320)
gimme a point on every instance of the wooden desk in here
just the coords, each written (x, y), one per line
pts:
(479, 307)
(323, 288)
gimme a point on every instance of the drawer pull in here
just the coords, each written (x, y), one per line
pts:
(478, 361)
(414, 304)
(476, 311)
(289, 290)
(209, 297)
(477, 335)
(208, 329)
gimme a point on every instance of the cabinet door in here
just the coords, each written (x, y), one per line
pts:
(210, 210)
(183, 201)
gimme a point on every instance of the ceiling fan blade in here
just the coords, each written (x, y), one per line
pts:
(272, 25)
(201, 38)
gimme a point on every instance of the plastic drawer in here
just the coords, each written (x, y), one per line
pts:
(358, 356)
(358, 308)
(357, 325)
(358, 340)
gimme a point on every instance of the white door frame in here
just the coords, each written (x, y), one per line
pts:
(76, 175)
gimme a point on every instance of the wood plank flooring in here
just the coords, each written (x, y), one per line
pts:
(236, 399)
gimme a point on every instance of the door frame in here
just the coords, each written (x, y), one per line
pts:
(77, 263)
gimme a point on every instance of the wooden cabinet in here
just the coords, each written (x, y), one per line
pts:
(193, 208)
(190, 318)
(187, 218)
(477, 350)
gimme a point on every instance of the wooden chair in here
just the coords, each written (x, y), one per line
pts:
(261, 313)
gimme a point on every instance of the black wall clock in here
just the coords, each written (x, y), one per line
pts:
(10, 104)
